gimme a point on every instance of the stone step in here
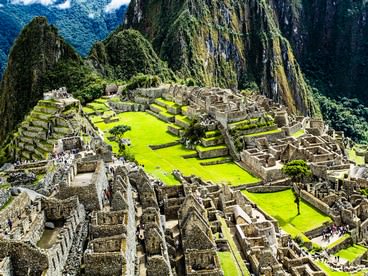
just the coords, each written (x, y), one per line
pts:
(34, 129)
(62, 130)
(157, 108)
(212, 141)
(212, 152)
(29, 147)
(50, 103)
(46, 109)
(36, 156)
(25, 139)
(39, 123)
(213, 133)
(182, 121)
(25, 154)
(47, 147)
(41, 116)
(40, 152)
(36, 135)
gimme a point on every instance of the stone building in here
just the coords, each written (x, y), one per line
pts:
(112, 246)
(87, 180)
(37, 235)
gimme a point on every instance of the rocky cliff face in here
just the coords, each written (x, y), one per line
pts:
(37, 50)
(329, 37)
(230, 43)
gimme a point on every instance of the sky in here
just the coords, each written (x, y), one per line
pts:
(112, 6)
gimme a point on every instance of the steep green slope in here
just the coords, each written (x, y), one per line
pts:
(225, 43)
(126, 53)
(37, 50)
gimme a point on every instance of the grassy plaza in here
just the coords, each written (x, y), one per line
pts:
(281, 206)
(148, 130)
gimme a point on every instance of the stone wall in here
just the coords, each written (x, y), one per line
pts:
(6, 268)
(257, 165)
(213, 153)
(72, 143)
(4, 197)
(25, 255)
(268, 189)
(315, 202)
(90, 195)
(106, 224)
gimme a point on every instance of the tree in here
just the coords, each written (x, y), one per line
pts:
(118, 133)
(297, 170)
(193, 134)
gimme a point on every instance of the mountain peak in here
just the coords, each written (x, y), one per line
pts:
(37, 49)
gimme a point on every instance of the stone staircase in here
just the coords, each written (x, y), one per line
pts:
(212, 146)
(41, 129)
(170, 113)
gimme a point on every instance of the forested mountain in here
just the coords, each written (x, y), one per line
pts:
(80, 22)
(291, 51)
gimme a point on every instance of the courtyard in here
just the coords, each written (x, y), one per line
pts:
(148, 130)
(281, 206)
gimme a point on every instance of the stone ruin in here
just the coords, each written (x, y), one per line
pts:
(37, 235)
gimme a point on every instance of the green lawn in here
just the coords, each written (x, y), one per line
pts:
(359, 160)
(263, 133)
(352, 252)
(281, 206)
(148, 130)
(298, 133)
(228, 264)
(330, 272)
(340, 240)
(237, 259)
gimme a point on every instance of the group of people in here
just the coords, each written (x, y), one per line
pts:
(330, 231)
(63, 157)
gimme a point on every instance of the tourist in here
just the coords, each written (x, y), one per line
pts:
(10, 224)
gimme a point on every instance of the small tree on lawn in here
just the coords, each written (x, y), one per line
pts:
(193, 134)
(118, 133)
(297, 170)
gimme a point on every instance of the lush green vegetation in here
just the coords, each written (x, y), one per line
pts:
(299, 133)
(193, 134)
(228, 264)
(352, 252)
(85, 84)
(331, 272)
(280, 206)
(127, 53)
(297, 170)
(233, 249)
(148, 130)
(264, 133)
(348, 115)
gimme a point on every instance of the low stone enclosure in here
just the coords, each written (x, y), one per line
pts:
(41, 234)
(87, 180)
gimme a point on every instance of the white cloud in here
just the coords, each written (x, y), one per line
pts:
(29, 2)
(115, 5)
(65, 5)
(91, 15)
